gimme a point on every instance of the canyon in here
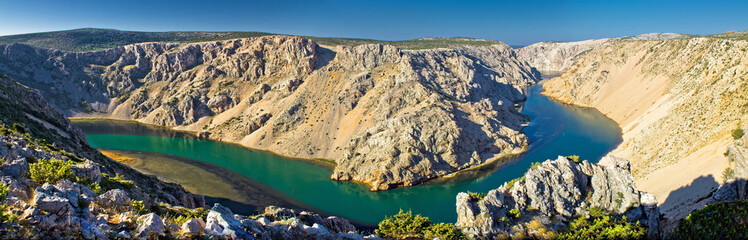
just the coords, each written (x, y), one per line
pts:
(386, 117)
(389, 117)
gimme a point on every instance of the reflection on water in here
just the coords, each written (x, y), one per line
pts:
(555, 129)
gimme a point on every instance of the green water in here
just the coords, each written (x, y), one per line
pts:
(555, 129)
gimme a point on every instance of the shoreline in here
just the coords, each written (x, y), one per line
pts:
(238, 192)
(330, 164)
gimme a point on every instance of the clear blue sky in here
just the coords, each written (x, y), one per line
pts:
(514, 22)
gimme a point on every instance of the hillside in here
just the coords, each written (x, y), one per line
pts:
(388, 117)
(92, 39)
(677, 101)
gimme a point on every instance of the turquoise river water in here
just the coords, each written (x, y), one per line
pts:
(554, 129)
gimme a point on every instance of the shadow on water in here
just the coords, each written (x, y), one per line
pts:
(554, 129)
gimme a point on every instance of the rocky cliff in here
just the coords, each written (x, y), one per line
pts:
(84, 195)
(387, 117)
(672, 98)
(555, 57)
(550, 194)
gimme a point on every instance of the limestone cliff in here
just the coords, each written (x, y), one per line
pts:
(553, 192)
(387, 117)
(556, 56)
(675, 99)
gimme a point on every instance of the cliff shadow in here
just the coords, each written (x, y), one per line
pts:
(699, 189)
(324, 57)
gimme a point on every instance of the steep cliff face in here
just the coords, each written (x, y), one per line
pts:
(550, 194)
(387, 117)
(676, 101)
(556, 56)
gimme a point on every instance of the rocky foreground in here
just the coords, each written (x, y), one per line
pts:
(387, 117)
(551, 193)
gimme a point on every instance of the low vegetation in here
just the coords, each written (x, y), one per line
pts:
(603, 227)
(406, 225)
(475, 196)
(573, 158)
(87, 39)
(4, 216)
(728, 174)
(51, 171)
(737, 133)
(723, 220)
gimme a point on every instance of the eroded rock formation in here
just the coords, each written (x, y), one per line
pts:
(551, 193)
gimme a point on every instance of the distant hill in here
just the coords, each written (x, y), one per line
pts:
(90, 39)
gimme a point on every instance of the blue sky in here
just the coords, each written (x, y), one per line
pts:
(514, 22)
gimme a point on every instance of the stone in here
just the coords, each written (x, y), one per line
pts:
(114, 198)
(90, 231)
(17, 191)
(16, 168)
(87, 170)
(149, 226)
(193, 227)
(220, 221)
(52, 200)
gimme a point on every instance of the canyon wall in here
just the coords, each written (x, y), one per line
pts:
(387, 117)
(555, 57)
(676, 101)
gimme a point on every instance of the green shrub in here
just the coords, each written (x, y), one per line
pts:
(737, 133)
(597, 212)
(514, 213)
(18, 128)
(50, 170)
(511, 183)
(604, 227)
(403, 225)
(723, 220)
(728, 174)
(109, 183)
(446, 231)
(476, 196)
(5, 217)
(140, 209)
(535, 165)
(573, 158)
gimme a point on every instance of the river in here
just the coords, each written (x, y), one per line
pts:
(554, 129)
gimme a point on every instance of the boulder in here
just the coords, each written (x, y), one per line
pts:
(88, 170)
(193, 227)
(149, 226)
(222, 222)
(16, 168)
(17, 190)
(52, 200)
(114, 198)
(89, 231)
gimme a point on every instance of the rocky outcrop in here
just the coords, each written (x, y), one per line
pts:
(555, 57)
(551, 193)
(387, 117)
